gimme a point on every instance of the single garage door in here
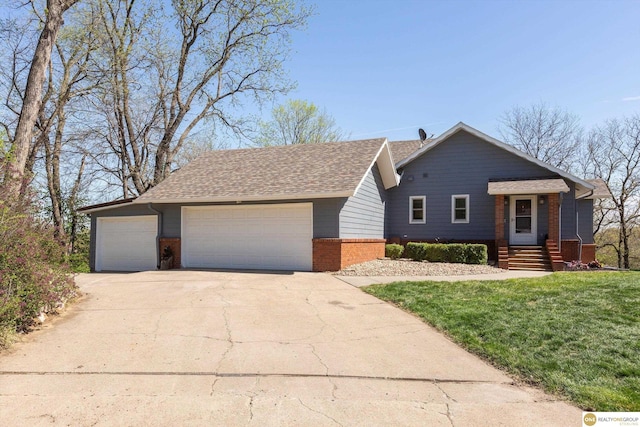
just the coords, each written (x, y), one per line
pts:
(265, 237)
(126, 243)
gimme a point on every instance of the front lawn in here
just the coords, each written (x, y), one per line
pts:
(575, 334)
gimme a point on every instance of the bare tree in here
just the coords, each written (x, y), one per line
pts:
(33, 93)
(298, 122)
(71, 82)
(547, 133)
(165, 83)
(614, 153)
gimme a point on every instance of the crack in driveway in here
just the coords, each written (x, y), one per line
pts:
(255, 374)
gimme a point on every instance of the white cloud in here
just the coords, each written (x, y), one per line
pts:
(631, 98)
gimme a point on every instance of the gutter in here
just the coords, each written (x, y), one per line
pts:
(584, 196)
(157, 212)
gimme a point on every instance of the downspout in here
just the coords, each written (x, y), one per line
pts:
(578, 235)
(150, 207)
(575, 207)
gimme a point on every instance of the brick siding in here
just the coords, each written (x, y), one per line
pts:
(174, 244)
(553, 201)
(570, 250)
(336, 254)
(499, 216)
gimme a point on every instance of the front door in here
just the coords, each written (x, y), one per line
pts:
(523, 225)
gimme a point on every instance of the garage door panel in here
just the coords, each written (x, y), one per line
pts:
(126, 243)
(248, 237)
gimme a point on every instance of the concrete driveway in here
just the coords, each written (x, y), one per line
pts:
(227, 348)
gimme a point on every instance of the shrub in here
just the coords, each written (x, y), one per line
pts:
(456, 253)
(79, 263)
(477, 254)
(436, 252)
(415, 251)
(450, 252)
(393, 251)
(33, 275)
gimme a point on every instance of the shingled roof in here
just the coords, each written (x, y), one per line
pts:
(276, 173)
(403, 149)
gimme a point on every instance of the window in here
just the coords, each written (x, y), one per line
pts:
(417, 210)
(460, 208)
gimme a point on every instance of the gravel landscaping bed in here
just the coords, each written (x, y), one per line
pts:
(407, 267)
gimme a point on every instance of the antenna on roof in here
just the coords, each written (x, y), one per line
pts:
(423, 136)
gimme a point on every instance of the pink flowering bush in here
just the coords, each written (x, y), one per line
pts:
(33, 275)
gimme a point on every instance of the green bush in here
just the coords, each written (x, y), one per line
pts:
(415, 251)
(33, 275)
(393, 251)
(477, 254)
(436, 252)
(79, 263)
(456, 253)
(452, 252)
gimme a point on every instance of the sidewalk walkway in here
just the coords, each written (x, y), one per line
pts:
(359, 281)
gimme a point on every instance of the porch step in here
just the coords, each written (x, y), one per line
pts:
(531, 258)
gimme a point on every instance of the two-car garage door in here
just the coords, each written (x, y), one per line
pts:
(271, 237)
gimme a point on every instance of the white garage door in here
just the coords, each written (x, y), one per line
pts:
(269, 237)
(126, 243)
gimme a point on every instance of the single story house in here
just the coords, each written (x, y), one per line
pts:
(322, 207)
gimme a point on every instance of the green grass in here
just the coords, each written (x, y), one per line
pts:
(575, 334)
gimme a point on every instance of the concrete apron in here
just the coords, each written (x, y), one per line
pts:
(229, 348)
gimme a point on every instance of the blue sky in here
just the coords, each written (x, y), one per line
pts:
(386, 68)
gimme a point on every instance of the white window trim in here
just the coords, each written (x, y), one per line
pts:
(424, 210)
(453, 208)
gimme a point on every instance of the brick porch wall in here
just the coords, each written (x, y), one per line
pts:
(499, 216)
(553, 201)
(571, 248)
(336, 254)
(174, 244)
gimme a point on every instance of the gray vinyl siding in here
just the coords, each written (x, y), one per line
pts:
(584, 209)
(171, 219)
(585, 220)
(464, 164)
(325, 217)
(543, 221)
(362, 216)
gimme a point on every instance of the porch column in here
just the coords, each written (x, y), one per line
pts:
(499, 215)
(554, 217)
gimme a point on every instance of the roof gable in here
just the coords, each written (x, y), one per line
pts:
(276, 173)
(582, 186)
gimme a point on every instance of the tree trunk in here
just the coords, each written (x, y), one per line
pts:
(33, 94)
(53, 177)
(73, 199)
(620, 239)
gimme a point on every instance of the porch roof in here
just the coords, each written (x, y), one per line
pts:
(529, 186)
